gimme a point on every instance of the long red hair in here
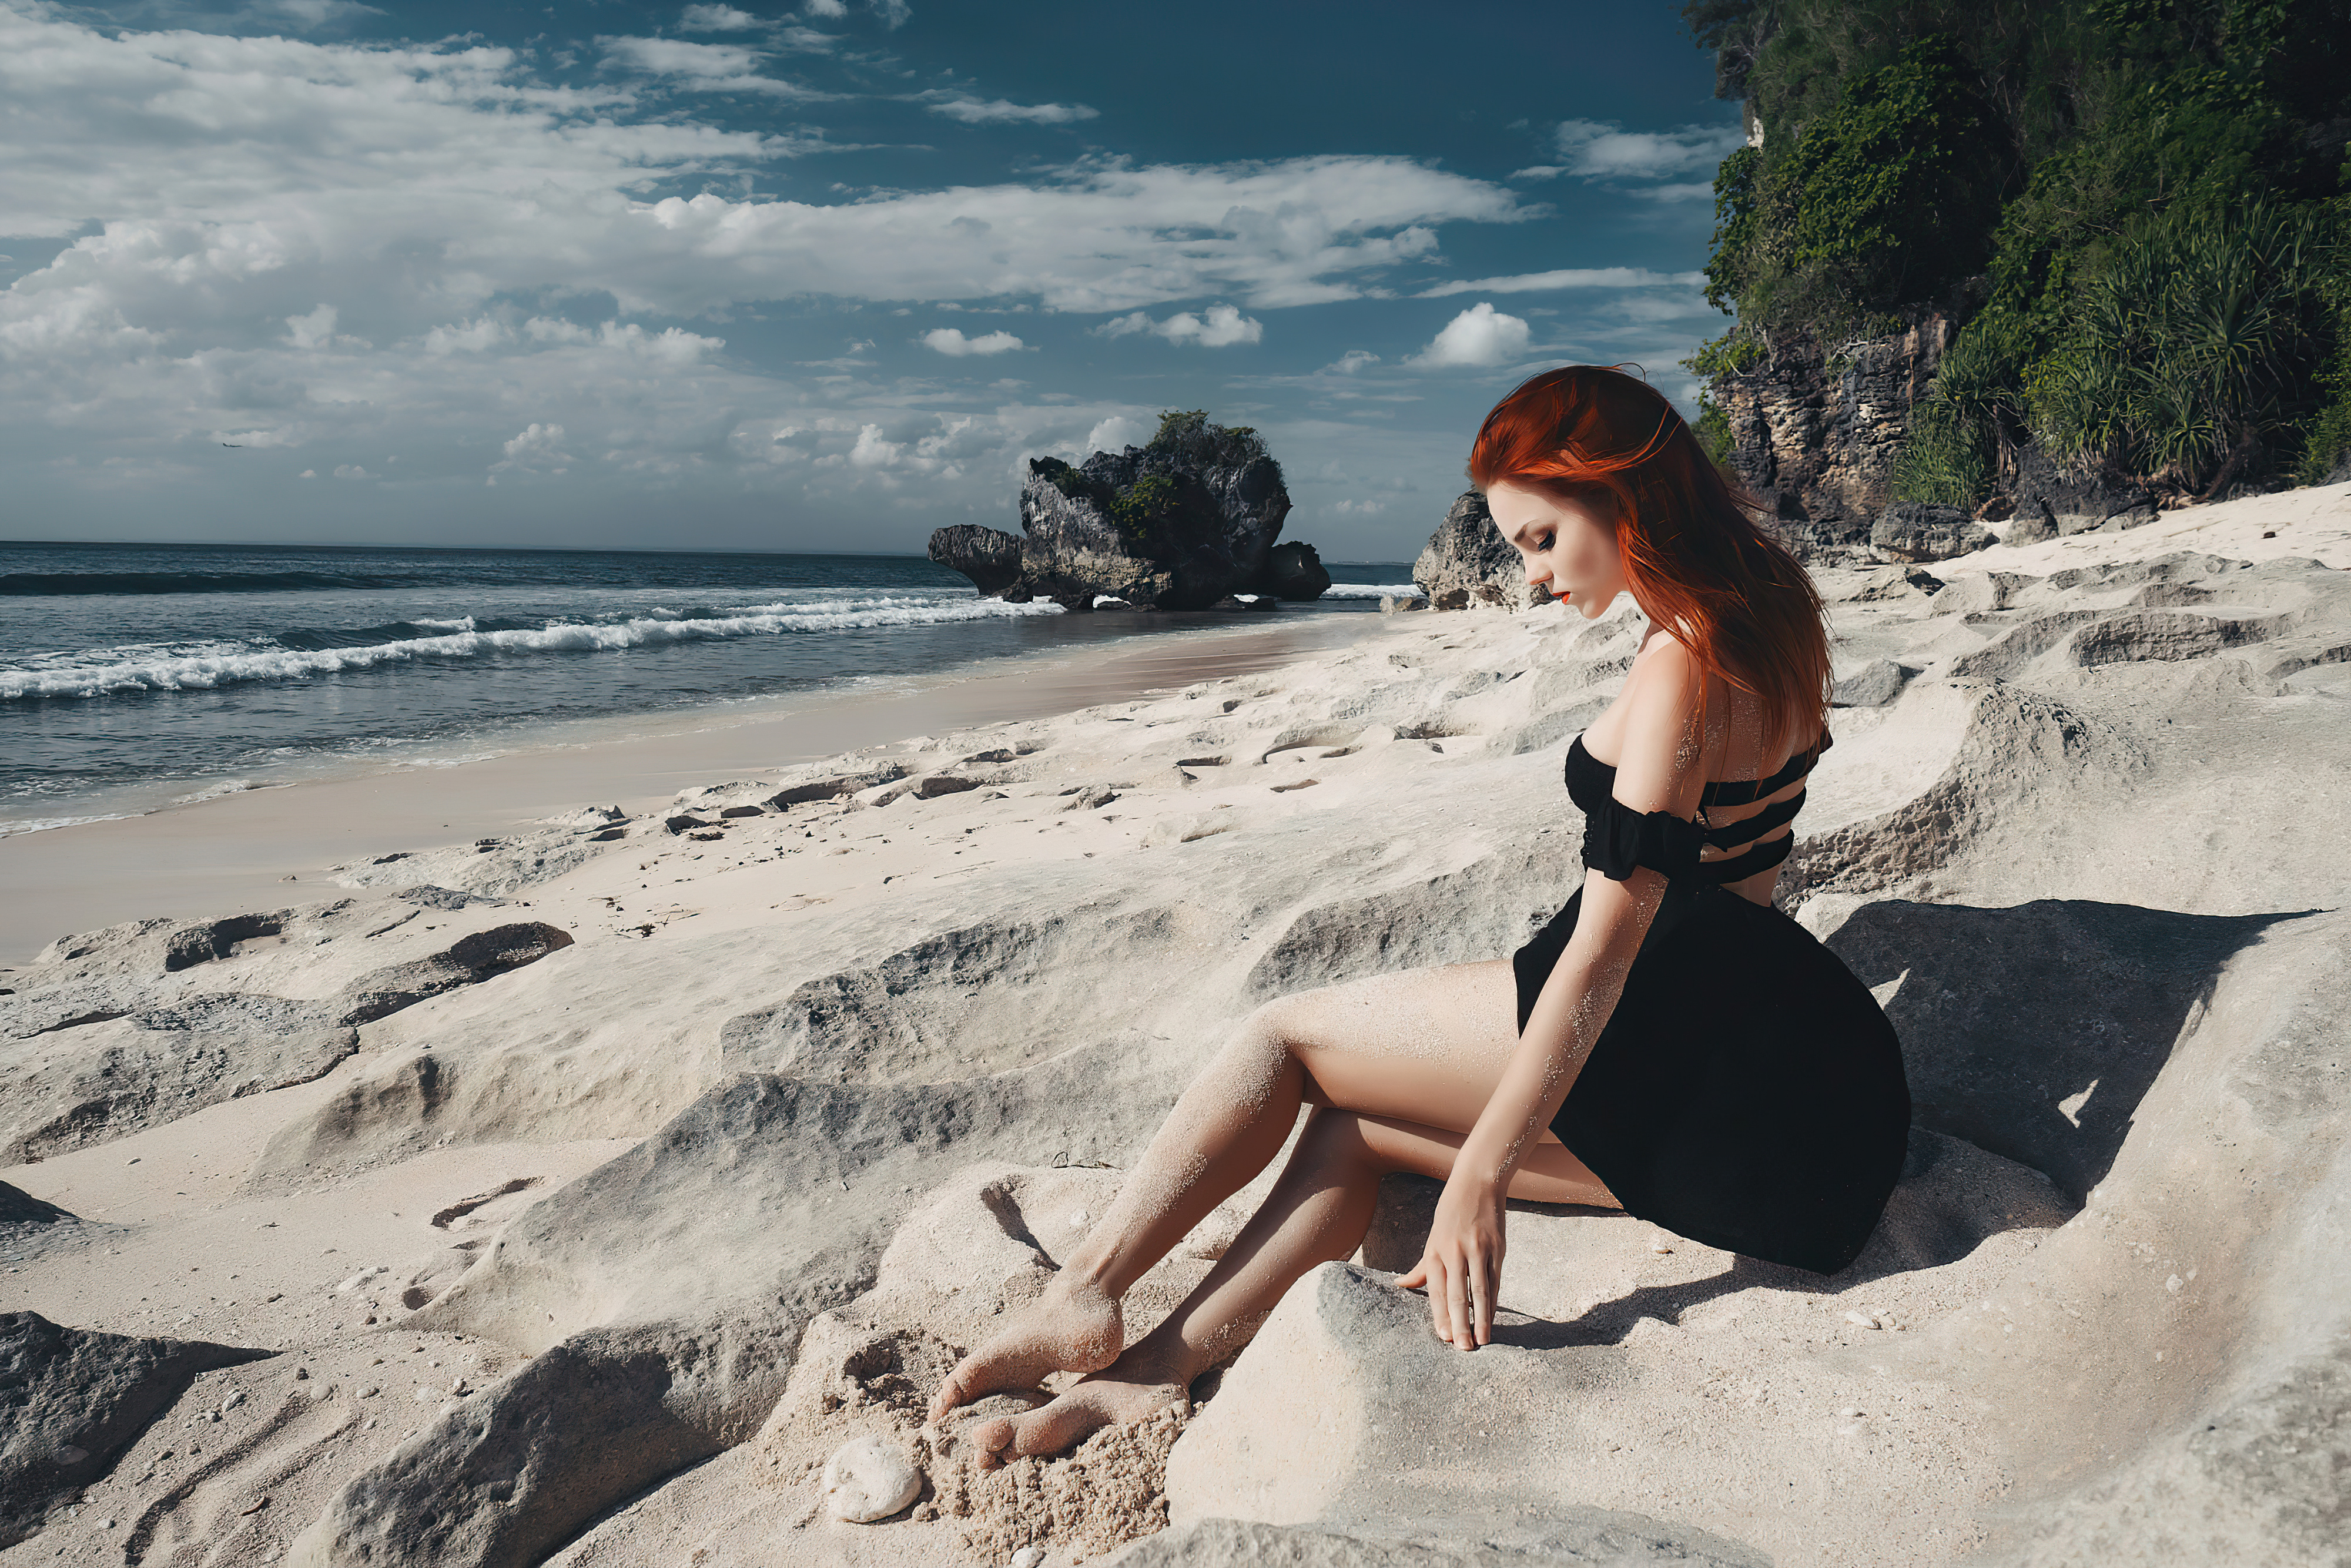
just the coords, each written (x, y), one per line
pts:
(1694, 558)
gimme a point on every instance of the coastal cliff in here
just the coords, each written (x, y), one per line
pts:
(2056, 266)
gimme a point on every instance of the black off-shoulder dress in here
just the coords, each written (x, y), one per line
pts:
(1748, 1090)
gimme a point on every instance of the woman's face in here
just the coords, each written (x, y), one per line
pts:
(1569, 543)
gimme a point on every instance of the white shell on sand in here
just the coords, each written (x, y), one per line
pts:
(869, 1478)
(1029, 1557)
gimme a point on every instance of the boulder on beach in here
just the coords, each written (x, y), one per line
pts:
(71, 1400)
(1294, 570)
(1179, 523)
(1919, 531)
(1466, 561)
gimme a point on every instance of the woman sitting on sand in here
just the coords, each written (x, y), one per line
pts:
(1669, 1045)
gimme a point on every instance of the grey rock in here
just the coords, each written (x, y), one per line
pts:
(1873, 685)
(1489, 906)
(1466, 561)
(424, 895)
(109, 1041)
(1177, 524)
(2072, 497)
(832, 788)
(989, 557)
(2033, 523)
(1919, 531)
(73, 1400)
(1815, 435)
(107, 1079)
(18, 1206)
(467, 962)
(915, 1012)
(1294, 570)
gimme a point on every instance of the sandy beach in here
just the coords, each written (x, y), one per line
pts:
(236, 847)
(564, 1154)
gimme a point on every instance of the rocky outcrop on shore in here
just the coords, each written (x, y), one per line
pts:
(1816, 435)
(1467, 562)
(1180, 524)
(872, 1062)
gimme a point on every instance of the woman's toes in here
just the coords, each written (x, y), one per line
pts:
(989, 1440)
(1062, 1424)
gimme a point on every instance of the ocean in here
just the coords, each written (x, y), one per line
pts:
(139, 676)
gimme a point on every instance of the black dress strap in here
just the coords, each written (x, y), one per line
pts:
(1748, 828)
(1746, 792)
(1617, 838)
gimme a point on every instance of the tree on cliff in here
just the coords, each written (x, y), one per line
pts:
(2135, 211)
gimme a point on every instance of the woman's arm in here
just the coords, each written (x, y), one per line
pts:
(1660, 770)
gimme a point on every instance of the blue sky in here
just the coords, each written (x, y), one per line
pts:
(811, 278)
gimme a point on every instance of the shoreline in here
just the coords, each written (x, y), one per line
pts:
(266, 846)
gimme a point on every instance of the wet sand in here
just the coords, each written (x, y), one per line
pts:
(235, 850)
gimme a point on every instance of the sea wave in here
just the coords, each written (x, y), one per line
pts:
(219, 667)
(52, 584)
(1371, 590)
(9, 830)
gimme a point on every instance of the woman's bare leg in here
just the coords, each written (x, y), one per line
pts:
(1425, 1046)
(1317, 1212)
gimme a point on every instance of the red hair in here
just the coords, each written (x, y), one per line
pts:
(1694, 556)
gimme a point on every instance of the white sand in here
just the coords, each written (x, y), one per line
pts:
(1376, 805)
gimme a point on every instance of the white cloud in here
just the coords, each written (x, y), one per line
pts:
(893, 13)
(1115, 434)
(352, 470)
(951, 341)
(313, 330)
(1001, 111)
(1539, 171)
(701, 67)
(872, 452)
(1353, 360)
(1598, 150)
(538, 448)
(1223, 326)
(716, 19)
(1568, 278)
(1480, 335)
(378, 250)
(829, 10)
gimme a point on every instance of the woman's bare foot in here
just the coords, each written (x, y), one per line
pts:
(1072, 1327)
(1130, 1389)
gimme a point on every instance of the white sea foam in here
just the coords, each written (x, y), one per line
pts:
(43, 824)
(1371, 590)
(224, 787)
(219, 666)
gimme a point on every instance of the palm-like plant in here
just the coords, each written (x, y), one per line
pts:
(2191, 350)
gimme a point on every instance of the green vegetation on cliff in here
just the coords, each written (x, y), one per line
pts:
(2136, 210)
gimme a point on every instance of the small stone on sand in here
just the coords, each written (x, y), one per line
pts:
(869, 1478)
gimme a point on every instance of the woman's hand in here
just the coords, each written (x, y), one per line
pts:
(1462, 1267)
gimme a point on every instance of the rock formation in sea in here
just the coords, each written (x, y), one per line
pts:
(724, 1184)
(1467, 562)
(1180, 523)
